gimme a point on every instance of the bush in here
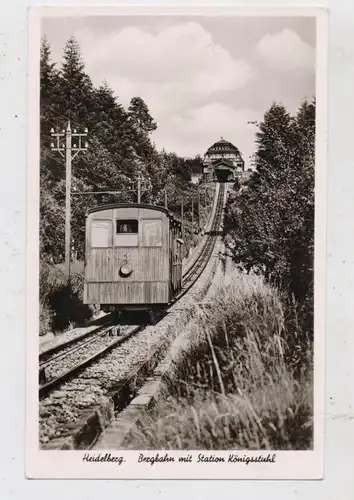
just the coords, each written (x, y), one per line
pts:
(45, 317)
(61, 300)
(238, 384)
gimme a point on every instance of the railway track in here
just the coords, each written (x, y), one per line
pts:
(55, 367)
(193, 273)
(61, 349)
(102, 344)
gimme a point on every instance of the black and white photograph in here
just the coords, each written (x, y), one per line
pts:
(177, 195)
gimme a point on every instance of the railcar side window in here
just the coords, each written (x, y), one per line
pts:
(127, 227)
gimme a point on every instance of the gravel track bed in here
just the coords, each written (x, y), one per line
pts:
(82, 352)
(94, 385)
(65, 337)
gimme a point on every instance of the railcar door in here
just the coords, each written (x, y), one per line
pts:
(170, 249)
(179, 253)
(174, 261)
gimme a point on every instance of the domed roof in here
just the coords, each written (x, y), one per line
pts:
(224, 145)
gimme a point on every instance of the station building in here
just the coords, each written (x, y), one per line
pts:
(223, 162)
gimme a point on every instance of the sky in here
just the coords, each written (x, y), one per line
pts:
(202, 77)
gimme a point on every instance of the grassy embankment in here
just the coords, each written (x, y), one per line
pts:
(243, 380)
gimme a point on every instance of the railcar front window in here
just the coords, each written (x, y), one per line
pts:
(101, 233)
(127, 227)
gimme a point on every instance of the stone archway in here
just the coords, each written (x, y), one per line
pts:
(224, 175)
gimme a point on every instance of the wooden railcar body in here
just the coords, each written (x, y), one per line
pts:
(133, 256)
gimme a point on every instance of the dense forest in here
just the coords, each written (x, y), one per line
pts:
(269, 223)
(119, 145)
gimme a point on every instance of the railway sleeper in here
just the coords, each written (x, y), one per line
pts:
(83, 433)
(42, 376)
(115, 331)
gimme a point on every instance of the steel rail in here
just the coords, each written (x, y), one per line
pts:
(44, 355)
(72, 345)
(45, 389)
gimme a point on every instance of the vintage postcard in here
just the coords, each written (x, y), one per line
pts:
(176, 242)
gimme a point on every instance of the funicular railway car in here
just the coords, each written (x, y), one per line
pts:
(133, 257)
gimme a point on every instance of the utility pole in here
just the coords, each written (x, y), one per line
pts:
(182, 216)
(68, 145)
(65, 145)
(140, 185)
(167, 183)
(192, 212)
(199, 208)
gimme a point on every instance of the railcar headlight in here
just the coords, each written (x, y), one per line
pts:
(125, 270)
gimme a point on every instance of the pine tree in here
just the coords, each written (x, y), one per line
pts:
(49, 91)
(273, 139)
(140, 117)
(49, 112)
(76, 85)
(47, 71)
(110, 124)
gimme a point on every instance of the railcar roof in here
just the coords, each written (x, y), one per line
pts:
(133, 205)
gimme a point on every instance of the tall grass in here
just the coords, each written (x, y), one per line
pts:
(238, 383)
